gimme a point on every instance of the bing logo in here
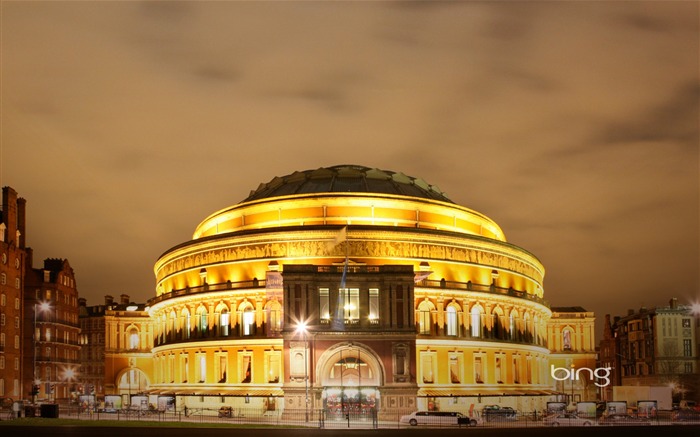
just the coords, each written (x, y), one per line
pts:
(598, 374)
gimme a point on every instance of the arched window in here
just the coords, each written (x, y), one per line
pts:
(476, 324)
(186, 324)
(424, 317)
(171, 323)
(247, 320)
(133, 338)
(451, 322)
(274, 317)
(225, 322)
(566, 339)
(512, 324)
(202, 320)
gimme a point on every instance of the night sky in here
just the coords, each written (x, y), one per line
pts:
(573, 125)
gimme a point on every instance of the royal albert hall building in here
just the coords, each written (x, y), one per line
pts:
(349, 288)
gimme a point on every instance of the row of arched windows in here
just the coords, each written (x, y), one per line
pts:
(185, 323)
(476, 323)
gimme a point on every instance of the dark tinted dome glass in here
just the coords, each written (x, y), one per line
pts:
(347, 179)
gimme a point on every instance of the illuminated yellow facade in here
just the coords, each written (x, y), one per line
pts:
(407, 300)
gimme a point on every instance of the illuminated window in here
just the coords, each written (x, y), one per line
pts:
(246, 367)
(424, 317)
(184, 367)
(171, 322)
(274, 317)
(272, 367)
(187, 324)
(455, 364)
(476, 327)
(499, 370)
(374, 304)
(201, 367)
(566, 339)
(225, 322)
(201, 321)
(428, 367)
(221, 367)
(247, 321)
(133, 339)
(323, 303)
(351, 303)
(451, 320)
(478, 369)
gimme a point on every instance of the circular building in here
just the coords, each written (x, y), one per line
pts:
(349, 289)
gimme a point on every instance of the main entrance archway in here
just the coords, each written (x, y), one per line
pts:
(350, 375)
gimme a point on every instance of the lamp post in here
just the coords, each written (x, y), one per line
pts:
(38, 307)
(301, 328)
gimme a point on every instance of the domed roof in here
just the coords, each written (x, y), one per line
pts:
(347, 178)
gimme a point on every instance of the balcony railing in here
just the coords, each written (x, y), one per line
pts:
(470, 286)
(205, 288)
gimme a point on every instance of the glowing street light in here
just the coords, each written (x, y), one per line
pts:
(301, 329)
(39, 307)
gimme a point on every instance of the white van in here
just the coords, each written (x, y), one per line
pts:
(437, 418)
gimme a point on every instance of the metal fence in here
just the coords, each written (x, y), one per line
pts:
(368, 419)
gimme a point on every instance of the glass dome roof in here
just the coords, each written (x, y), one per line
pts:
(347, 178)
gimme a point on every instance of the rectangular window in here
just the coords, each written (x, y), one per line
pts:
(428, 367)
(516, 370)
(688, 367)
(499, 370)
(373, 304)
(246, 368)
(528, 370)
(351, 308)
(687, 348)
(201, 367)
(171, 368)
(2, 320)
(686, 323)
(273, 367)
(323, 303)
(455, 368)
(221, 367)
(478, 370)
(184, 367)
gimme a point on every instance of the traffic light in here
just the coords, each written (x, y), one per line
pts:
(35, 389)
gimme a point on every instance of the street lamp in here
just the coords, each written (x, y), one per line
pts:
(301, 328)
(38, 307)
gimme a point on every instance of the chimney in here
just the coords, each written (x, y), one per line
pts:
(673, 303)
(9, 213)
(21, 217)
(109, 300)
(124, 299)
(82, 302)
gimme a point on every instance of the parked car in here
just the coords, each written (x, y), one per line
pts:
(567, 419)
(496, 412)
(623, 419)
(686, 415)
(437, 418)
